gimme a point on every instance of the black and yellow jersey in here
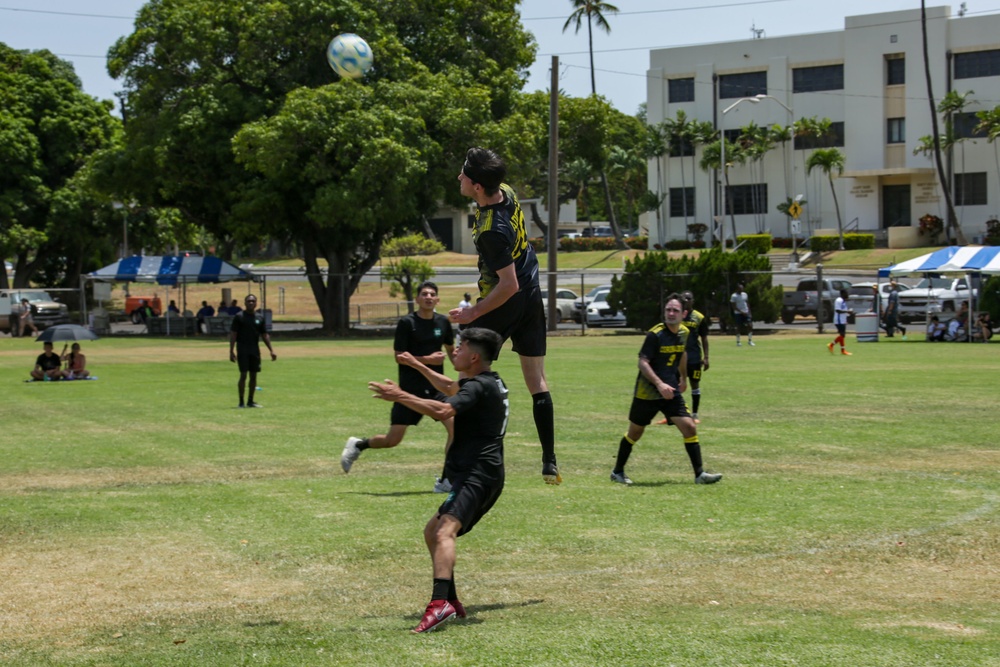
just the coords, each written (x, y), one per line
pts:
(663, 349)
(697, 324)
(501, 238)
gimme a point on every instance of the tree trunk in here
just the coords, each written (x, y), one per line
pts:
(619, 239)
(836, 206)
(537, 219)
(959, 236)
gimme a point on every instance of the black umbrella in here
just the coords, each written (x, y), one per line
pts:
(66, 332)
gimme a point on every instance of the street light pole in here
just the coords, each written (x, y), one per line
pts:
(722, 139)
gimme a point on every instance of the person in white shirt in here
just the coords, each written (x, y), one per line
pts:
(840, 315)
(466, 301)
(740, 303)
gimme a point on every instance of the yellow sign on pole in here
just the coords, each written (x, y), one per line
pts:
(795, 210)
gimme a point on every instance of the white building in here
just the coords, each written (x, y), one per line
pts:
(869, 80)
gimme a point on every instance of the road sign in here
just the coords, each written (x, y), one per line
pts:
(795, 210)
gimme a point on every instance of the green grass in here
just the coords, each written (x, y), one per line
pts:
(144, 520)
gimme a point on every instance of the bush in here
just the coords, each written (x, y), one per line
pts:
(759, 244)
(989, 297)
(711, 275)
(413, 244)
(851, 242)
(992, 232)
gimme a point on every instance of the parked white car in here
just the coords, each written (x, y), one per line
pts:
(565, 300)
(934, 296)
(860, 296)
(601, 314)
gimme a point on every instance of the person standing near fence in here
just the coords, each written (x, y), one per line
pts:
(740, 303)
(421, 334)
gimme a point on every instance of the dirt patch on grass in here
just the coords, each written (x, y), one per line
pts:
(55, 589)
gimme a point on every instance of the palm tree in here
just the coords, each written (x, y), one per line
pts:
(989, 124)
(959, 236)
(782, 134)
(594, 11)
(951, 104)
(631, 167)
(678, 135)
(829, 159)
(656, 146)
(580, 174)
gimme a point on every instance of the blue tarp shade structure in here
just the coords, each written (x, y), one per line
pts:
(953, 259)
(171, 270)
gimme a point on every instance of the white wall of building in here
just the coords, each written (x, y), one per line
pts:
(864, 106)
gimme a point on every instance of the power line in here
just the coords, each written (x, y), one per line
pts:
(45, 11)
(663, 11)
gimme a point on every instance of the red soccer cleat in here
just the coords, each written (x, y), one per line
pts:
(459, 607)
(437, 612)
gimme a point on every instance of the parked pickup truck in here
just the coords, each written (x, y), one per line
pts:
(45, 310)
(805, 299)
(933, 296)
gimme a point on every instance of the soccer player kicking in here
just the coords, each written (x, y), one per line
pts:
(479, 405)
(659, 388)
(420, 336)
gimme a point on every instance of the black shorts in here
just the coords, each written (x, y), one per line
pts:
(248, 361)
(471, 498)
(841, 329)
(404, 416)
(744, 321)
(521, 319)
(694, 371)
(642, 411)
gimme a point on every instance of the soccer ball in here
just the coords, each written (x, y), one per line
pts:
(349, 55)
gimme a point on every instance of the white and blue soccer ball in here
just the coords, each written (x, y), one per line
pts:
(349, 55)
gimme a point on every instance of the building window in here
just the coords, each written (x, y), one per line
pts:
(965, 125)
(746, 84)
(970, 189)
(733, 136)
(896, 131)
(680, 90)
(977, 63)
(746, 199)
(895, 70)
(812, 79)
(679, 198)
(833, 138)
(681, 147)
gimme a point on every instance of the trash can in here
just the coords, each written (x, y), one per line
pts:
(866, 327)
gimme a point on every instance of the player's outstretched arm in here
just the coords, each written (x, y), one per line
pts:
(442, 383)
(390, 391)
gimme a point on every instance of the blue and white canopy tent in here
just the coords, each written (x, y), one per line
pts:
(953, 259)
(976, 260)
(174, 271)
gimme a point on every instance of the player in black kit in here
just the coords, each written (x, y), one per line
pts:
(660, 388)
(510, 302)
(479, 405)
(245, 334)
(420, 336)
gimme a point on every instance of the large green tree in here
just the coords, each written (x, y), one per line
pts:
(49, 128)
(197, 71)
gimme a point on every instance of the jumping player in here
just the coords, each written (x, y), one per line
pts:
(420, 336)
(510, 302)
(479, 405)
(659, 387)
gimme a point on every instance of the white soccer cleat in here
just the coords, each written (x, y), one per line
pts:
(708, 478)
(350, 454)
(442, 485)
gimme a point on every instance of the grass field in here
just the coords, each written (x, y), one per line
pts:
(146, 521)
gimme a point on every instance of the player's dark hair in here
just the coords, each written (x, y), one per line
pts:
(430, 284)
(486, 342)
(674, 296)
(485, 167)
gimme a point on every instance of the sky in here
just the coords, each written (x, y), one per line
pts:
(81, 31)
